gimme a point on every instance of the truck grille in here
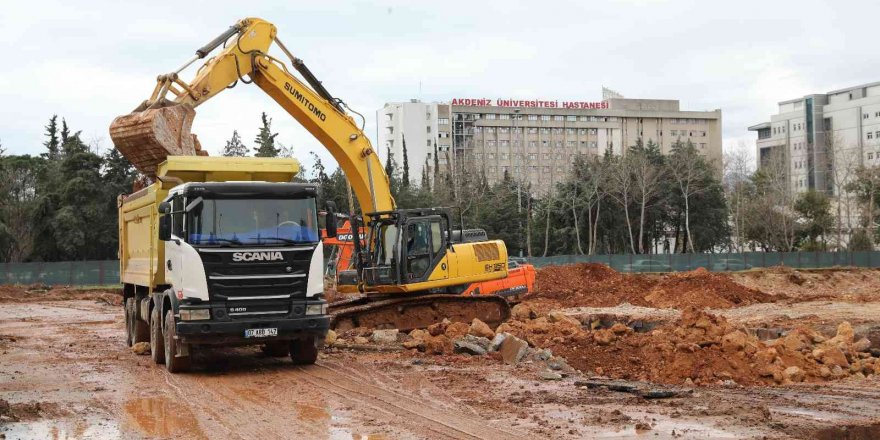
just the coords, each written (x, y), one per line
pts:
(230, 280)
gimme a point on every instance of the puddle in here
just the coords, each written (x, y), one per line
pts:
(158, 417)
(62, 430)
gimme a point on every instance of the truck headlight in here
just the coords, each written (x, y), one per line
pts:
(195, 314)
(316, 309)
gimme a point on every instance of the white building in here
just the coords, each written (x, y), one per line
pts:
(419, 125)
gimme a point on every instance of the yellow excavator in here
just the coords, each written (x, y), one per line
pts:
(414, 265)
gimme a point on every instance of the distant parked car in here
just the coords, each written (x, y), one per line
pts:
(647, 265)
(722, 264)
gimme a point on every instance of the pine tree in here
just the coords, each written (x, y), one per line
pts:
(52, 145)
(389, 166)
(234, 147)
(426, 183)
(2, 150)
(65, 132)
(265, 140)
(405, 163)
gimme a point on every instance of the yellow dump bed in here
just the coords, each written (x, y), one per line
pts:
(140, 251)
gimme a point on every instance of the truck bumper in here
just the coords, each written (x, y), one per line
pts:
(213, 332)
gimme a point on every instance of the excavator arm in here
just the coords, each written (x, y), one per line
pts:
(245, 59)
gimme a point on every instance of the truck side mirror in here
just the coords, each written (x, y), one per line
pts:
(330, 219)
(165, 227)
(164, 207)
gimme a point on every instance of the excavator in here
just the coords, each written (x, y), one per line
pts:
(414, 265)
(520, 279)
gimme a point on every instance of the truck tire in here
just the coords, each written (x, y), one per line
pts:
(276, 348)
(174, 364)
(304, 351)
(157, 339)
(135, 329)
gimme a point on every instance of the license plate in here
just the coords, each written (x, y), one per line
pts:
(260, 332)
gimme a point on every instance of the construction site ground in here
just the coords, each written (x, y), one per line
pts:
(65, 372)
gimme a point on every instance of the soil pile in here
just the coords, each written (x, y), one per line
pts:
(597, 285)
(700, 348)
(701, 288)
(587, 284)
(34, 293)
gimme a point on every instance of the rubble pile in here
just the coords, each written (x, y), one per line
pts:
(597, 285)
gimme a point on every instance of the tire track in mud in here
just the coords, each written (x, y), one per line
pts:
(439, 421)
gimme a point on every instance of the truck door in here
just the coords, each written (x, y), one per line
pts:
(173, 255)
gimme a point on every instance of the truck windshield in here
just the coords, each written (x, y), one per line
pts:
(275, 222)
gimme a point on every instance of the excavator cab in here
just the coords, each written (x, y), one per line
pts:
(408, 246)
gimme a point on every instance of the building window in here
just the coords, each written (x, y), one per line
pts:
(504, 156)
(428, 129)
(571, 118)
(490, 156)
(877, 134)
(545, 144)
(865, 116)
(673, 132)
(490, 143)
(478, 129)
(505, 143)
(545, 117)
(489, 130)
(546, 156)
(546, 169)
(703, 146)
(870, 156)
(570, 144)
(558, 118)
(533, 156)
(533, 144)
(570, 130)
(504, 129)
(558, 144)
(443, 121)
(557, 131)
(870, 135)
(594, 144)
(490, 116)
(516, 143)
(533, 130)
(545, 130)
(504, 116)
(428, 116)
(533, 117)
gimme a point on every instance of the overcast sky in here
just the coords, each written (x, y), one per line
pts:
(90, 61)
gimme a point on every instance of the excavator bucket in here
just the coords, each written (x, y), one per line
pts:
(146, 137)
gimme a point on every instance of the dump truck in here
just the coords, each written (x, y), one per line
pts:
(223, 251)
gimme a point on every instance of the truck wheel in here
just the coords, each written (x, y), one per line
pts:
(174, 364)
(304, 351)
(136, 330)
(157, 339)
(277, 348)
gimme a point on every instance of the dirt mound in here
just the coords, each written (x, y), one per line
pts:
(700, 348)
(587, 284)
(597, 285)
(37, 292)
(701, 288)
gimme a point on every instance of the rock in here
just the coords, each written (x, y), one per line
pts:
(463, 346)
(438, 345)
(874, 336)
(549, 375)
(496, 341)
(734, 341)
(418, 344)
(557, 364)
(796, 278)
(480, 329)
(456, 330)
(793, 374)
(482, 342)
(361, 340)
(141, 348)
(385, 336)
(557, 316)
(604, 337)
(513, 350)
(831, 356)
(620, 329)
(825, 372)
(419, 334)
(438, 328)
(522, 312)
(862, 345)
(330, 339)
(845, 334)
(542, 355)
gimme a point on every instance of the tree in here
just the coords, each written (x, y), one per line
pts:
(737, 184)
(646, 165)
(52, 144)
(814, 209)
(406, 181)
(265, 140)
(842, 164)
(866, 187)
(234, 147)
(769, 217)
(623, 190)
(688, 169)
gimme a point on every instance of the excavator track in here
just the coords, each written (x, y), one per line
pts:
(409, 313)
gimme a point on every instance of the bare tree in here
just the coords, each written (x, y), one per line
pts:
(689, 171)
(623, 190)
(843, 160)
(647, 180)
(738, 166)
